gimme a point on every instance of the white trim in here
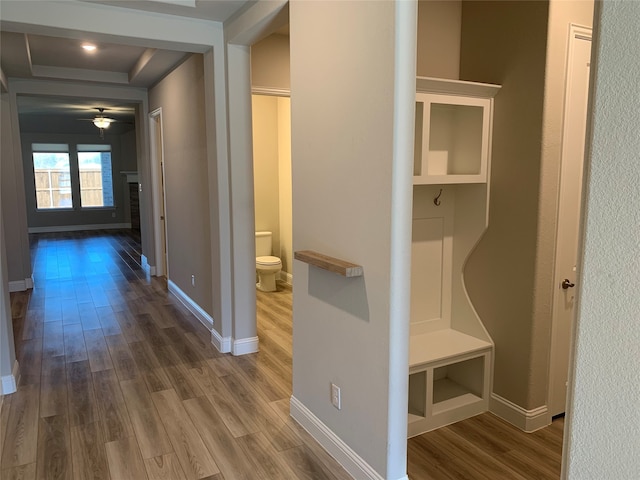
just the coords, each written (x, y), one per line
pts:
(245, 346)
(286, 278)
(527, 420)
(78, 228)
(223, 344)
(340, 451)
(9, 383)
(149, 269)
(204, 318)
(21, 285)
(271, 91)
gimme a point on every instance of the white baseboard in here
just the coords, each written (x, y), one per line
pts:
(344, 455)
(204, 318)
(149, 269)
(79, 228)
(9, 383)
(223, 344)
(245, 346)
(286, 278)
(21, 285)
(527, 420)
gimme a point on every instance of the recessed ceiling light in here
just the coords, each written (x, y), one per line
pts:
(89, 47)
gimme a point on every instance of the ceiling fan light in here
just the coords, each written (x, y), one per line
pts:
(101, 122)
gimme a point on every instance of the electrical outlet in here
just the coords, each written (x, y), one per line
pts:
(336, 401)
(193, 280)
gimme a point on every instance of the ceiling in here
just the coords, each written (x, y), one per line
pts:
(25, 55)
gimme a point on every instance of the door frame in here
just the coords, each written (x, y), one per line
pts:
(576, 32)
(158, 194)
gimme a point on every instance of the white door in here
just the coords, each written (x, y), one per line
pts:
(157, 167)
(573, 147)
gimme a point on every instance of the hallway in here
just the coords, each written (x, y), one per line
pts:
(120, 381)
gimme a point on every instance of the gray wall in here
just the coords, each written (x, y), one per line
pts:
(13, 200)
(78, 216)
(7, 349)
(181, 97)
(522, 46)
(505, 43)
(601, 435)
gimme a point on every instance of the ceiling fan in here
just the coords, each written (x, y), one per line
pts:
(101, 121)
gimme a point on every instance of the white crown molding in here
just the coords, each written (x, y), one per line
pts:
(526, 420)
(345, 456)
(198, 312)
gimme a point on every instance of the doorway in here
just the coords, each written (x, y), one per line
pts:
(271, 130)
(569, 214)
(159, 202)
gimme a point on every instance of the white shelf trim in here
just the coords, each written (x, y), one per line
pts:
(431, 347)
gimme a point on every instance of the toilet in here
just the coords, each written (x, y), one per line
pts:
(267, 266)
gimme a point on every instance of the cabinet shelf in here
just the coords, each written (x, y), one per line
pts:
(452, 131)
(442, 345)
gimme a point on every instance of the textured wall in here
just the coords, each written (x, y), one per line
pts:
(604, 416)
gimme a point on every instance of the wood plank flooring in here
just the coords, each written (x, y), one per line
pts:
(119, 381)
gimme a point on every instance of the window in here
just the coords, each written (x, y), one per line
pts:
(57, 188)
(52, 175)
(96, 182)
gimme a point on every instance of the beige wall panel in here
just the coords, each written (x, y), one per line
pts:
(181, 96)
(270, 62)
(439, 38)
(505, 43)
(266, 167)
(284, 183)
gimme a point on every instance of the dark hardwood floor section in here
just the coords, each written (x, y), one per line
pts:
(119, 381)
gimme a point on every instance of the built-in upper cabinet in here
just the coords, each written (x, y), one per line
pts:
(452, 131)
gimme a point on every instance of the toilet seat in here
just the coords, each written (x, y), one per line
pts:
(268, 260)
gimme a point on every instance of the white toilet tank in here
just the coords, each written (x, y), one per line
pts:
(263, 244)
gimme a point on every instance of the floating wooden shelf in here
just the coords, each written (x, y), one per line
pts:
(335, 265)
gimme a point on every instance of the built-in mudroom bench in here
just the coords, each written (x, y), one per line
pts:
(450, 351)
